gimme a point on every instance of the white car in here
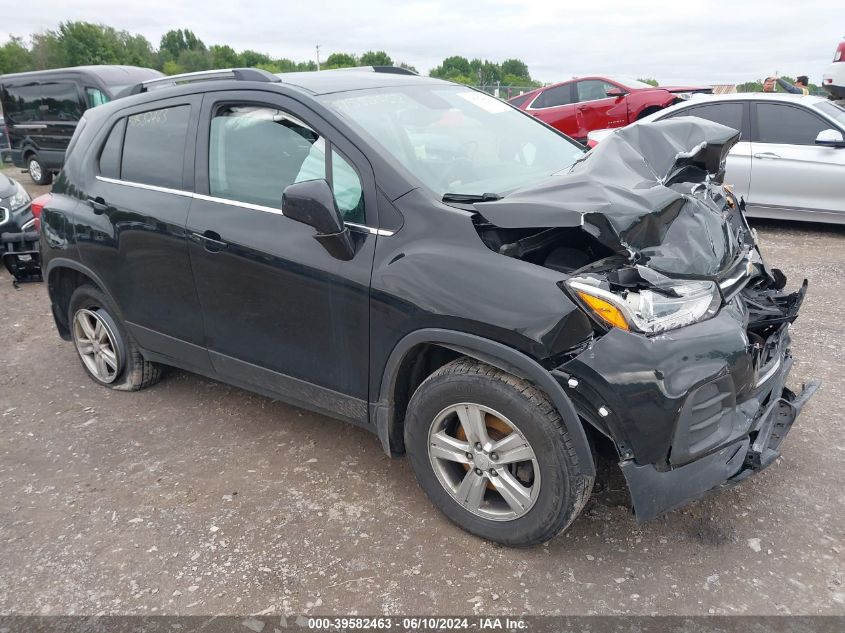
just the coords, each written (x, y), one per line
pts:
(790, 160)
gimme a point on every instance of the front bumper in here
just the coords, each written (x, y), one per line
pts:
(693, 409)
(654, 492)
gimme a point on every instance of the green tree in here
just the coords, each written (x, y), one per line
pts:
(452, 67)
(375, 58)
(516, 68)
(649, 81)
(224, 57)
(86, 43)
(15, 57)
(174, 42)
(251, 59)
(340, 60)
(194, 60)
(136, 50)
(172, 68)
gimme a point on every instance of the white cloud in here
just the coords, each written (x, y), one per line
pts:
(710, 42)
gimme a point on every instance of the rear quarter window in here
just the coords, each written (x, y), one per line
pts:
(154, 147)
(110, 154)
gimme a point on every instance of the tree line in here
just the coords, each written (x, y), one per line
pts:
(180, 50)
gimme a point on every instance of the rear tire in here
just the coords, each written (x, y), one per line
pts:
(106, 350)
(38, 170)
(541, 457)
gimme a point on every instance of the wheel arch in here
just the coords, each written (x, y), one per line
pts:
(397, 384)
(63, 276)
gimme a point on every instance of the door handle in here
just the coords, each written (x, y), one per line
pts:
(99, 205)
(767, 156)
(211, 241)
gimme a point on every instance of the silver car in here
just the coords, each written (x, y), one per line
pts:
(790, 161)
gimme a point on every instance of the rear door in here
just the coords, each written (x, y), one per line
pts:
(556, 106)
(597, 111)
(281, 314)
(792, 173)
(131, 226)
(24, 118)
(733, 114)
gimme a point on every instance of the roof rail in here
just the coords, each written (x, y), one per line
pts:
(238, 74)
(393, 70)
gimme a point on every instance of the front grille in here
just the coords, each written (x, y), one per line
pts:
(706, 420)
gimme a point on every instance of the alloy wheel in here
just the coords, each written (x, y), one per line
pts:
(35, 170)
(96, 345)
(484, 462)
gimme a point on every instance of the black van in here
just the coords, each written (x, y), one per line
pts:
(42, 109)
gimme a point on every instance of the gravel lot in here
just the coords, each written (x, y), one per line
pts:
(194, 497)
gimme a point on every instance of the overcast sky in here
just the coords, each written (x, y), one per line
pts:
(675, 42)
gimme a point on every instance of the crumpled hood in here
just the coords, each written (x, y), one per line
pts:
(634, 194)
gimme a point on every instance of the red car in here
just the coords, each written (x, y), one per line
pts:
(578, 106)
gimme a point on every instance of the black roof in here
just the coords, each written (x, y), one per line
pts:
(108, 74)
(328, 81)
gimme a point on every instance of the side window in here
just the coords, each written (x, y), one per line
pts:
(790, 125)
(593, 90)
(61, 101)
(95, 97)
(110, 156)
(557, 96)
(729, 114)
(518, 102)
(22, 104)
(154, 147)
(255, 152)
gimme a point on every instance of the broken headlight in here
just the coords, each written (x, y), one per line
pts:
(650, 311)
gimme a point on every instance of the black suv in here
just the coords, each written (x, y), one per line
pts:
(430, 263)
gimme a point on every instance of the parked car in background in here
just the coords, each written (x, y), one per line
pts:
(834, 77)
(5, 155)
(581, 105)
(43, 107)
(790, 161)
(421, 259)
(18, 231)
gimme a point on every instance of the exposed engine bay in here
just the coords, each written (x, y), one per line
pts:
(644, 222)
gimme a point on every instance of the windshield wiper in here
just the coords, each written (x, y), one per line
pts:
(471, 197)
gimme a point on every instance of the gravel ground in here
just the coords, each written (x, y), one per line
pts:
(194, 497)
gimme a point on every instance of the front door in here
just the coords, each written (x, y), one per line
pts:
(791, 173)
(282, 315)
(597, 111)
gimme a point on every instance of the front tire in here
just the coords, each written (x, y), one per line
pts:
(108, 354)
(493, 454)
(38, 170)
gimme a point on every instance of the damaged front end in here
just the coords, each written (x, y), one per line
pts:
(687, 367)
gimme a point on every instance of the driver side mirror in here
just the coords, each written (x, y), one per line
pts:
(616, 92)
(830, 138)
(312, 202)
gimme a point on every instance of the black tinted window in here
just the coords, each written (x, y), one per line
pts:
(61, 101)
(22, 103)
(155, 146)
(110, 156)
(519, 101)
(790, 125)
(561, 95)
(729, 114)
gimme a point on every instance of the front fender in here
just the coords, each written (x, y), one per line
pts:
(388, 427)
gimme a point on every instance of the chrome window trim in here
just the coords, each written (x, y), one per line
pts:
(4, 215)
(236, 203)
(141, 185)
